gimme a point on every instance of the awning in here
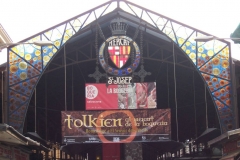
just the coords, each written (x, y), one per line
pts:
(36, 137)
(9, 135)
(225, 137)
(79, 147)
(165, 146)
(231, 156)
(208, 135)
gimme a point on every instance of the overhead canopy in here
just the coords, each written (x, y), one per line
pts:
(80, 147)
(165, 146)
(4, 37)
(225, 137)
(208, 135)
(36, 137)
(11, 136)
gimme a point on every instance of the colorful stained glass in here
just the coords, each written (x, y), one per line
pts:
(226, 115)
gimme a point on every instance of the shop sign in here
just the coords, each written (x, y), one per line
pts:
(231, 146)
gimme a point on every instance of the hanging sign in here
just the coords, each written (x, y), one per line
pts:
(130, 96)
(121, 126)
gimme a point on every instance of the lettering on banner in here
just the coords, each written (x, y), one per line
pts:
(119, 80)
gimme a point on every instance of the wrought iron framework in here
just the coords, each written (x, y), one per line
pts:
(27, 62)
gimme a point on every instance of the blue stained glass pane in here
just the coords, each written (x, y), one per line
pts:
(218, 67)
(189, 48)
(16, 100)
(48, 53)
(223, 95)
(19, 114)
(16, 124)
(214, 83)
(225, 114)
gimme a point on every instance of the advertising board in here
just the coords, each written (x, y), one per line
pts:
(133, 96)
(116, 126)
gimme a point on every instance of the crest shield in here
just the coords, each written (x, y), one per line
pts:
(119, 55)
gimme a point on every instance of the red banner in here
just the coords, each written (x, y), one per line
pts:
(111, 151)
(116, 126)
(132, 96)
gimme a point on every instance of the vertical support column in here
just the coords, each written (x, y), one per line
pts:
(54, 153)
(6, 106)
(234, 90)
(46, 155)
(195, 109)
(60, 154)
(46, 110)
(5, 96)
(65, 78)
(205, 92)
(35, 112)
(175, 89)
(2, 100)
(133, 151)
(184, 151)
(72, 89)
(190, 148)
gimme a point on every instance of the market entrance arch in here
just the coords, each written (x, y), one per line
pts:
(195, 66)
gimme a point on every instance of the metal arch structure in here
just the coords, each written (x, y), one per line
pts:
(27, 62)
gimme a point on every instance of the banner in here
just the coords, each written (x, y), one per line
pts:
(111, 126)
(111, 151)
(99, 96)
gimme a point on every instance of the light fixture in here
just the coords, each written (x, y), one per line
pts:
(38, 43)
(209, 38)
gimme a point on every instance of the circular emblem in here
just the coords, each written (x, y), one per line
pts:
(91, 92)
(119, 50)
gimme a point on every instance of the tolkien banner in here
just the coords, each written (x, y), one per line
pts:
(116, 126)
(131, 96)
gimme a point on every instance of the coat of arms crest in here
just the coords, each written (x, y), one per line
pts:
(119, 47)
